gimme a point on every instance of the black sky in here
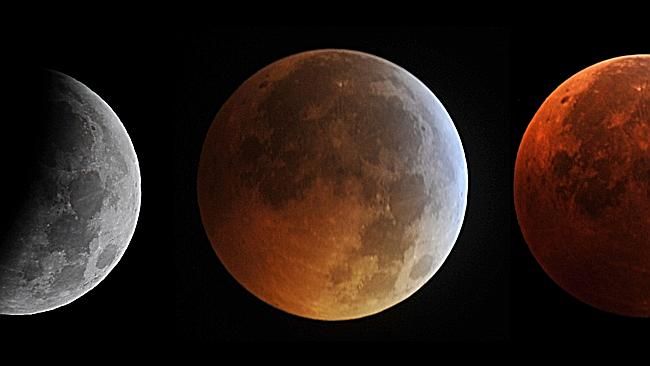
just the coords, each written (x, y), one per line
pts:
(468, 70)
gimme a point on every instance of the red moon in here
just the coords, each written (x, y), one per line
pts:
(582, 185)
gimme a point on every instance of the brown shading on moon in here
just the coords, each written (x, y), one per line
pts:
(332, 184)
(582, 185)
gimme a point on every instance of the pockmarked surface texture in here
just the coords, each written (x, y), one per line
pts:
(582, 185)
(82, 204)
(332, 184)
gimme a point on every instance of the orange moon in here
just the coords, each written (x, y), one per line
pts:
(332, 184)
(582, 185)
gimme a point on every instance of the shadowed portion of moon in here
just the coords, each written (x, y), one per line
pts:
(76, 194)
(582, 185)
(332, 184)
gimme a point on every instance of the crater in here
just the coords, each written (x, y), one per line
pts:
(107, 256)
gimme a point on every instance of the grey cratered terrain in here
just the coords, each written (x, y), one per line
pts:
(81, 204)
(332, 184)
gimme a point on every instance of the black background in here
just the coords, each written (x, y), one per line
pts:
(468, 70)
(166, 88)
(117, 64)
(542, 59)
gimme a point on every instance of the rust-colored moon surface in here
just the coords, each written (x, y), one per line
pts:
(332, 184)
(582, 185)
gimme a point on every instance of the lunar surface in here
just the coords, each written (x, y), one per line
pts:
(76, 212)
(332, 184)
(582, 185)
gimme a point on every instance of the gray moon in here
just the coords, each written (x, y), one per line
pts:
(81, 204)
(332, 184)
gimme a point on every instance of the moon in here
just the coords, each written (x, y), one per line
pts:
(332, 184)
(80, 200)
(582, 185)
